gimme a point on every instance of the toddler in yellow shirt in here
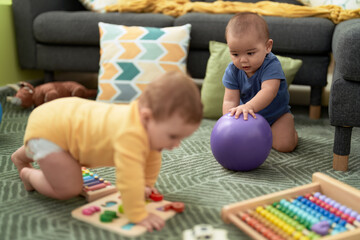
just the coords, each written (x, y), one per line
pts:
(67, 133)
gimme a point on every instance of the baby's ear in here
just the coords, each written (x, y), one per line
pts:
(145, 114)
(269, 45)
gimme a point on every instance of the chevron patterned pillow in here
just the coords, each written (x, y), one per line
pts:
(131, 57)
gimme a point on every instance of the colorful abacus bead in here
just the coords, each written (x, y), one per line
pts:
(269, 234)
(268, 224)
(337, 223)
(300, 215)
(284, 225)
(345, 213)
(326, 214)
(305, 218)
(335, 213)
(289, 219)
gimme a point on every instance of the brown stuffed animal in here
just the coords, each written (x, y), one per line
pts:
(29, 96)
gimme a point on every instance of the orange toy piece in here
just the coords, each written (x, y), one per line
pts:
(29, 96)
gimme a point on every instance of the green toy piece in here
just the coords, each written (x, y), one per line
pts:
(108, 216)
(121, 209)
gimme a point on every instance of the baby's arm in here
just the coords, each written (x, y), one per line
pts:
(152, 169)
(231, 104)
(266, 95)
(262, 99)
(135, 175)
(152, 221)
(231, 99)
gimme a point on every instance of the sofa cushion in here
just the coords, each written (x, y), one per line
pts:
(131, 57)
(316, 32)
(81, 27)
(68, 58)
(212, 91)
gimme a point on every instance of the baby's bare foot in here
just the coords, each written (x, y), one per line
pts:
(24, 175)
(19, 164)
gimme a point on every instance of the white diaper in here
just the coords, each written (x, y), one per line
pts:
(39, 148)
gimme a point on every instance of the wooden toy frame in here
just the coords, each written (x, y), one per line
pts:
(117, 224)
(332, 188)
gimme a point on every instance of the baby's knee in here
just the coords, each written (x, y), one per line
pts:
(284, 149)
(16, 158)
(284, 146)
(13, 156)
(68, 194)
(20, 155)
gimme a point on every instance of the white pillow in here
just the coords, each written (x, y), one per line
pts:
(345, 4)
(97, 5)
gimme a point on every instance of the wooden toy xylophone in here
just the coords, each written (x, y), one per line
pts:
(324, 209)
(95, 187)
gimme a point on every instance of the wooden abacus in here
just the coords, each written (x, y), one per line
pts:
(95, 187)
(245, 214)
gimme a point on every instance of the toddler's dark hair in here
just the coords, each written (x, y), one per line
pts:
(242, 23)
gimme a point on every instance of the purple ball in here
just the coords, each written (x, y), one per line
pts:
(241, 145)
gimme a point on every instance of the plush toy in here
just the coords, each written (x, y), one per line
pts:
(29, 96)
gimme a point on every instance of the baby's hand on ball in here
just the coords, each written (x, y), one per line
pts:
(244, 109)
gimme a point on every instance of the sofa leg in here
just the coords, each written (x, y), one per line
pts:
(315, 102)
(340, 163)
(315, 112)
(341, 148)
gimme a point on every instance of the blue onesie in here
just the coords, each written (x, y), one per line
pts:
(249, 87)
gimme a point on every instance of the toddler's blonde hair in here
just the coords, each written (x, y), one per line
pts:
(173, 92)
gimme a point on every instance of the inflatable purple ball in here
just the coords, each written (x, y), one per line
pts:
(241, 145)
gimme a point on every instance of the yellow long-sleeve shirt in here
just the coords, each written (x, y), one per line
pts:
(101, 134)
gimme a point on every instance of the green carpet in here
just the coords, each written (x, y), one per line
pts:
(189, 174)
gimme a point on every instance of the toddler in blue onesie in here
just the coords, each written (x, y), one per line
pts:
(255, 82)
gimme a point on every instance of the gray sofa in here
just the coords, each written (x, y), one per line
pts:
(344, 105)
(61, 35)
